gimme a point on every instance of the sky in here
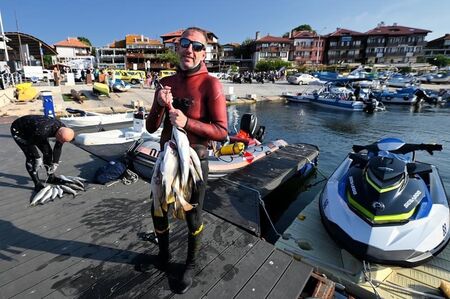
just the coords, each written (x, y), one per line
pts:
(102, 21)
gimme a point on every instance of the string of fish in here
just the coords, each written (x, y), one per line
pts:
(176, 174)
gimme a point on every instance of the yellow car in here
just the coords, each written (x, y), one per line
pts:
(166, 73)
(133, 77)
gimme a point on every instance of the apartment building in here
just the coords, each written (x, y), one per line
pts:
(307, 47)
(271, 47)
(113, 56)
(344, 46)
(74, 52)
(438, 46)
(394, 44)
(142, 52)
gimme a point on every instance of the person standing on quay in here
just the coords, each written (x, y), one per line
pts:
(193, 100)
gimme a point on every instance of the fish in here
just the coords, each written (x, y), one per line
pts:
(196, 163)
(69, 190)
(183, 147)
(180, 193)
(76, 181)
(75, 186)
(169, 169)
(60, 191)
(47, 196)
(39, 195)
(76, 178)
(156, 187)
(64, 178)
(54, 192)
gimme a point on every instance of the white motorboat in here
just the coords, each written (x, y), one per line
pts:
(86, 119)
(120, 136)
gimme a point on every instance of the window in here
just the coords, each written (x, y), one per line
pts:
(333, 44)
(356, 42)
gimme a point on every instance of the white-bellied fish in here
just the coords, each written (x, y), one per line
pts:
(60, 191)
(68, 190)
(39, 195)
(74, 186)
(169, 169)
(182, 142)
(47, 196)
(156, 191)
(54, 192)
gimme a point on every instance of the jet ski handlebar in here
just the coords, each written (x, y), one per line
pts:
(404, 149)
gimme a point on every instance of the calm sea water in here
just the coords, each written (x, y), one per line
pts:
(335, 132)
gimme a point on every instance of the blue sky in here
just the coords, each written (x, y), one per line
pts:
(231, 20)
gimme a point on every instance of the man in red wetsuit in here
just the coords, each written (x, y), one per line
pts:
(192, 100)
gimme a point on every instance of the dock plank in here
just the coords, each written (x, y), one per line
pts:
(233, 281)
(267, 276)
(292, 282)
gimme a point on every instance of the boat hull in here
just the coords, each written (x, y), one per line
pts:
(339, 104)
(96, 120)
(145, 155)
(101, 88)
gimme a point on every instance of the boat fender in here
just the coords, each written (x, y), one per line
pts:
(235, 148)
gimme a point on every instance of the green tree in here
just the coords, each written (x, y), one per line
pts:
(271, 65)
(439, 60)
(169, 56)
(303, 27)
(246, 49)
(286, 35)
(47, 60)
(85, 40)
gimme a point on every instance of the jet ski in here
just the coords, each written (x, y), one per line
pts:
(383, 206)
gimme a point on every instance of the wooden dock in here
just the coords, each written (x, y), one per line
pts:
(91, 246)
(237, 196)
(310, 242)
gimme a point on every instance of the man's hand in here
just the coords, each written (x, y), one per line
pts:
(177, 118)
(38, 163)
(52, 168)
(165, 97)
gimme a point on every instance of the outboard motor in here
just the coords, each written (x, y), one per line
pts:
(249, 124)
(370, 104)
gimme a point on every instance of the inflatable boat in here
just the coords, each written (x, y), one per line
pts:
(383, 206)
(79, 118)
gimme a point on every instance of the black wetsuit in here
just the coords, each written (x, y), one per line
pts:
(31, 132)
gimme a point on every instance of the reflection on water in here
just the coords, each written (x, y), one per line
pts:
(336, 131)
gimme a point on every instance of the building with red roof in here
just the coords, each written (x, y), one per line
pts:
(394, 44)
(74, 52)
(307, 48)
(438, 46)
(271, 47)
(344, 46)
(136, 51)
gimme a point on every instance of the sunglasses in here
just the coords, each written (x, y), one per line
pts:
(196, 46)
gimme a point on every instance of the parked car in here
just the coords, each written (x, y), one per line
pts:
(165, 73)
(301, 78)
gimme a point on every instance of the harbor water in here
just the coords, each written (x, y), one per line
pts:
(335, 132)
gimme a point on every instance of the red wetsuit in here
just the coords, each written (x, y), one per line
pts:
(200, 97)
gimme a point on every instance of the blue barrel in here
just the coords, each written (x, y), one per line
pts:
(47, 102)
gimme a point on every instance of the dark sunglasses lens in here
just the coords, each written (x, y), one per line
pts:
(184, 43)
(196, 46)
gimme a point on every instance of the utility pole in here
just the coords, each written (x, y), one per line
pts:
(4, 38)
(318, 46)
(20, 41)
